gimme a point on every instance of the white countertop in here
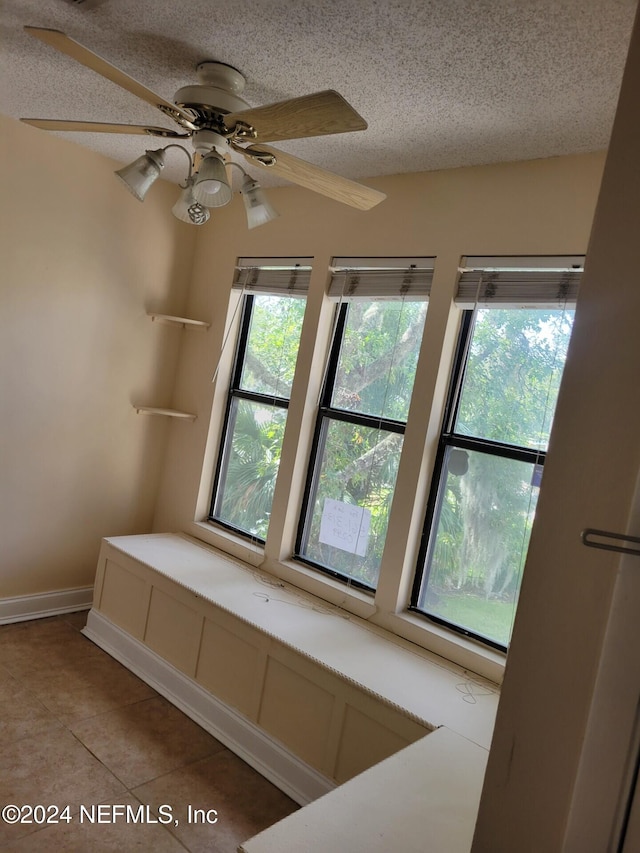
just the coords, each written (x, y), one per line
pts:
(423, 799)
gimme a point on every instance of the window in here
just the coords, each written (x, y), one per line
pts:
(362, 415)
(272, 304)
(350, 517)
(511, 352)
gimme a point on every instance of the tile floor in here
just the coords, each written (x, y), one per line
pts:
(78, 729)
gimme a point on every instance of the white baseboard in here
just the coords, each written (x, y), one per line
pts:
(271, 759)
(43, 604)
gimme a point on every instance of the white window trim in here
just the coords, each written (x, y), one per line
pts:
(387, 608)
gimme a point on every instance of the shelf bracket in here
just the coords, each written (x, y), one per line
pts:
(169, 413)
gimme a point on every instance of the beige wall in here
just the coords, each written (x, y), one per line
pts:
(82, 260)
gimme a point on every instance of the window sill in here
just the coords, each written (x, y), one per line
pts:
(231, 543)
(302, 577)
(314, 582)
(450, 645)
(435, 639)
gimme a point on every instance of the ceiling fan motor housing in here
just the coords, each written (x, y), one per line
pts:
(209, 98)
(217, 93)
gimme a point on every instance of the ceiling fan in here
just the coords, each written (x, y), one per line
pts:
(217, 121)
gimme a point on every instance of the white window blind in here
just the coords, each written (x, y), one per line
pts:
(381, 278)
(277, 276)
(519, 282)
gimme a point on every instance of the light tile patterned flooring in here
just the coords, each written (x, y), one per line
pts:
(78, 729)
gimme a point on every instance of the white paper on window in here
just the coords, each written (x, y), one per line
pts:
(345, 526)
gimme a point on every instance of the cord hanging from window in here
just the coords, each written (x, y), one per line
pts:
(231, 325)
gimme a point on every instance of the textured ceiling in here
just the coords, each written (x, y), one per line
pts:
(442, 83)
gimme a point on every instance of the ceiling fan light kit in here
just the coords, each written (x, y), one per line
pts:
(256, 204)
(187, 209)
(141, 174)
(211, 185)
(219, 122)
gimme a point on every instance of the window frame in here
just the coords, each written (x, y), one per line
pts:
(449, 438)
(236, 392)
(327, 413)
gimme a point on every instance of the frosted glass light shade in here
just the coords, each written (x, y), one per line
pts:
(139, 175)
(211, 186)
(257, 206)
(187, 209)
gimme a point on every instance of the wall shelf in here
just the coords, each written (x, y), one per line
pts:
(185, 322)
(169, 413)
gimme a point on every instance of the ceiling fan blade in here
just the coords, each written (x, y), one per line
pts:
(103, 127)
(311, 115)
(86, 57)
(316, 179)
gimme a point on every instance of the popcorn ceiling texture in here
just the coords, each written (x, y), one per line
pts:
(442, 83)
